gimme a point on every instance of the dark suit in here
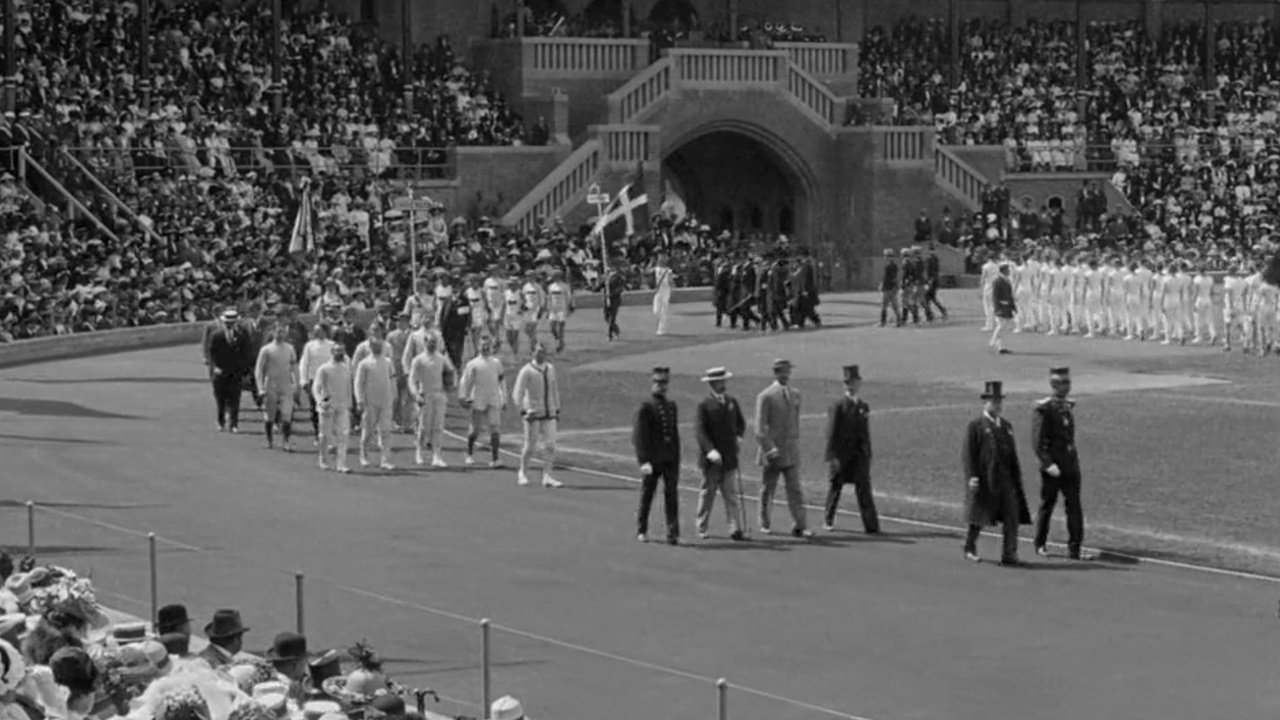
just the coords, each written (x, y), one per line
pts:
(455, 321)
(656, 438)
(1053, 435)
(990, 454)
(932, 271)
(889, 294)
(723, 290)
(720, 426)
(1002, 298)
(227, 351)
(849, 444)
(613, 287)
(349, 337)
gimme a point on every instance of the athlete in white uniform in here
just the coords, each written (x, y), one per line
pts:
(1035, 308)
(1252, 308)
(479, 311)
(535, 306)
(990, 269)
(1020, 276)
(1169, 300)
(1094, 282)
(495, 304)
(559, 305)
(1145, 280)
(1132, 299)
(1233, 291)
(1056, 282)
(1202, 292)
(1269, 308)
(513, 315)
(1114, 297)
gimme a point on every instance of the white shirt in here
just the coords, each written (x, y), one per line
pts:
(493, 293)
(426, 374)
(1203, 290)
(558, 295)
(315, 353)
(375, 381)
(532, 298)
(537, 393)
(274, 371)
(333, 385)
(989, 272)
(482, 383)
(1233, 292)
(417, 345)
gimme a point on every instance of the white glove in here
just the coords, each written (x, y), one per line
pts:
(646, 469)
(1053, 471)
(713, 456)
(973, 483)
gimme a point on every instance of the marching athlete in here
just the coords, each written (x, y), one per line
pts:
(479, 304)
(1233, 290)
(495, 303)
(482, 390)
(431, 377)
(663, 279)
(559, 307)
(276, 375)
(1202, 291)
(535, 306)
(332, 394)
(537, 394)
(613, 288)
(375, 396)
(990, 269)
(513, 315)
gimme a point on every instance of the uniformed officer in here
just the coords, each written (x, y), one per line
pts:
(910, 278)
(723, 290)
(656, 438)
(613, 287)
(932, 271)
(889, 290)
(1053, 435)
(849, 453)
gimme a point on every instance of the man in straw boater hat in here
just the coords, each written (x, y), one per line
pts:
(225, 355)
(778, 435)
(849, 453)
(656, 437)
(719, 427)
(993, 493)
(1053, 435)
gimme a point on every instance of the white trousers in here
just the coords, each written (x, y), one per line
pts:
(431, 420)
(335, 430)
(662, 308)
(988, 308)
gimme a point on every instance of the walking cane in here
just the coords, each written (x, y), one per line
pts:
(742, 503)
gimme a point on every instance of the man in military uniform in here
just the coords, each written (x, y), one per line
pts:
(932, 271)
(744, 284)
(921, 286)
(908, 287)
(993, 478)
(889, 290)
(613, 287)
(656, 437)
(848, 453)
(1053, 435)
(779, 295)
(804, 290)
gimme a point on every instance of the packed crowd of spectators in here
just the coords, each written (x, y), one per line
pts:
(64, 656)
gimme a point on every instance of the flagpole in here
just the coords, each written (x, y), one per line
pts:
(413, 245)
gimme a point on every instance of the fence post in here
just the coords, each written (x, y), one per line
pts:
(722, 701)
(155, 584)
(298, 580)
(31, 529)
(484, 661)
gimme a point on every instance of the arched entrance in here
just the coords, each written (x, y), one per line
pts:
(736, 177)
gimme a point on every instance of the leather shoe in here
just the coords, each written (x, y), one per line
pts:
(737, 536)
(1010, 562)
(803, 534)
(1082, 556)
(673, 540)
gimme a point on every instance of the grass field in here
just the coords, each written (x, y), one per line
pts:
(1179, 457)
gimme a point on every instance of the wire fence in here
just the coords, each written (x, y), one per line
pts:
(467, 661)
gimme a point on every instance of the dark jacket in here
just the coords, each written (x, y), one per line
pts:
(228, 349)
(931, 268)
(1053, 435)
(724, 287)
(849, 438)
(613, 287)
(890, 279)
(990, 454)
(655, 435)
(719, 427)
(455, 316)
(1002, 297)
(349, 337)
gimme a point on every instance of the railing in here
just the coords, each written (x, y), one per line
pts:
(960, 177)
(728, 67)
(406, 163)
(587, 56)
(823, 60)
(111, 197)
(72, 203)
(568, 180)
(905, 144)
(812, 94)
(642, 92)
(627, 144)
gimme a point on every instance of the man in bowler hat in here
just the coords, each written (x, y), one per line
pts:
(289, 656)
(656, 438)
(226, 635)
(1053, 435)
(993, 493)
(849, 453)
(720, 427)
(778, 435)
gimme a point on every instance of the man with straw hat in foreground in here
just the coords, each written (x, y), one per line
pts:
(720, 427)
(993, 493)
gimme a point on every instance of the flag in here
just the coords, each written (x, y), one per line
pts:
(303, 237)
(624, 216)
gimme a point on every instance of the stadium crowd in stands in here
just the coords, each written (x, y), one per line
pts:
(63, 656)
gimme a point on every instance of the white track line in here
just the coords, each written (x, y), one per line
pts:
(958, 531)
(1215, 399)
(807, 416)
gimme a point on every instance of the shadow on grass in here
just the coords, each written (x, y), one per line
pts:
(55, 440)
(116, 380)
(725, 545)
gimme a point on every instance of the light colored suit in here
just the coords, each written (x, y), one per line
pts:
(778, 435)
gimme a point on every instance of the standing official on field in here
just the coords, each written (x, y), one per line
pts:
(656, 437)
(849, 453)
(225, 353)
(993, 491)
(778, 434)
(1053, 435)
(719, 428)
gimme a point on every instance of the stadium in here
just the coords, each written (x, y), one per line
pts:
(339, 341)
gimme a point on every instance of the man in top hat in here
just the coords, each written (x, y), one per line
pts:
(276, 373)
(1005, 307)
(778, 435)
(614, 285)
(173, 619)
(848, 453)
(993, 492)
(656, 438)
(719, 427)
(289, 656)
(889, 290)
(225, 354)
(1053, 435)
(663, 282)
(226, 639)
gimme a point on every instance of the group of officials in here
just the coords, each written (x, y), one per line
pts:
(777, 289)
(910, 285)
(994, 493)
